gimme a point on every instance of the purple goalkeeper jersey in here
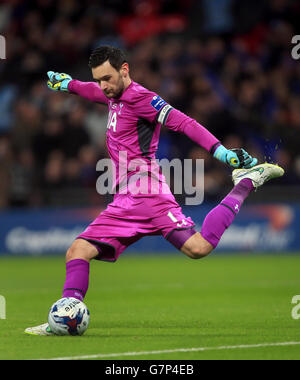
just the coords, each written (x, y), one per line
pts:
(133, 130)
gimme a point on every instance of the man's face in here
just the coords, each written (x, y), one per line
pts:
(110, 80)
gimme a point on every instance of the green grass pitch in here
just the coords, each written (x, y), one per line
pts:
(157, 303)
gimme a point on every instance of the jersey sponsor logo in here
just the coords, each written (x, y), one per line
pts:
(163, 114)
(157, 102)
(112, 120)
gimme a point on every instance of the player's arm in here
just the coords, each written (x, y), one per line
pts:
(178, 121)
(153, 108)
(64, 82)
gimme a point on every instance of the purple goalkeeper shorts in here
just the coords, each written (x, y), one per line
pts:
(129, 218)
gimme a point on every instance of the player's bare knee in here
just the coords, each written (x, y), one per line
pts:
(196, 247)
(81, 249)
(71, 253)
(198, 252)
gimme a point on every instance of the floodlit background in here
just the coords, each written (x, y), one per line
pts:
(226, 63)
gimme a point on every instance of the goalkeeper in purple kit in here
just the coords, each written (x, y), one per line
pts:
(136, 115)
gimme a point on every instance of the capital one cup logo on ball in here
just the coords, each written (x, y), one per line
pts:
(68, 316)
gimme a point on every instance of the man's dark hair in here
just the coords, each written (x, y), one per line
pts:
(115, 56)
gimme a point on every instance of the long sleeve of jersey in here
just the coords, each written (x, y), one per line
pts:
(153, 108)
(88, 90)
(179, 122)
(150, 106)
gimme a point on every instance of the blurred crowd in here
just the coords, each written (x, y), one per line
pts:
(226, 63)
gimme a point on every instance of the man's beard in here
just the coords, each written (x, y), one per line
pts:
(119, 90)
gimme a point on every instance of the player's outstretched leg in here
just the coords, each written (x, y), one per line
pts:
(221, 217)
(78, 259)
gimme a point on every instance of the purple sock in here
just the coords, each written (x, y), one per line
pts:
(221, 217)
(77, 279)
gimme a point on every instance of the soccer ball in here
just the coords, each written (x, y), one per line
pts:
(68, 316)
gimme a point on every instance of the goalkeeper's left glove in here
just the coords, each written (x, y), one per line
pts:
(58, 81)
(237, 158)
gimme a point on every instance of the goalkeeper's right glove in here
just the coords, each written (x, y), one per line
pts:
(58, 81)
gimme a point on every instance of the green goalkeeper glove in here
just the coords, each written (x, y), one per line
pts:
(237, 158)
(58, 81)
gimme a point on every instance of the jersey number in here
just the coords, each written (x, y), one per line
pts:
(175, 220)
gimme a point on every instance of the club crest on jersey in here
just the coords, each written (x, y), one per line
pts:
(157, 102)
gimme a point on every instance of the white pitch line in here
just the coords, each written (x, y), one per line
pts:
(140, 353)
